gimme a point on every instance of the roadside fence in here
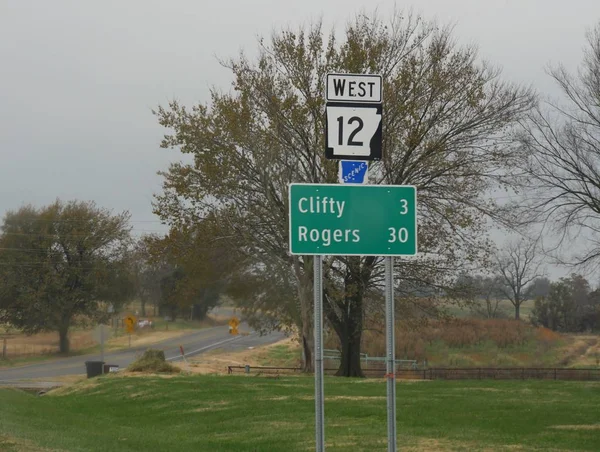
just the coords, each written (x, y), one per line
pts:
(468, 373)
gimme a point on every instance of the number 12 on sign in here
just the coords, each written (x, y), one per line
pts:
(353, 132)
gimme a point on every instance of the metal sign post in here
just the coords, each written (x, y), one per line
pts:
(102, 345)
(318, 327)
(353, 219)
(391, 353)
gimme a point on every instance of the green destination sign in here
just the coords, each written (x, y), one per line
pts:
(353, 220)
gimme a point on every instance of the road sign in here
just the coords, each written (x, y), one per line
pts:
(353, 172)
(354, 88)
(353, 131)
(353, 123)
(233, 325)
(353, 220)
(130, 323)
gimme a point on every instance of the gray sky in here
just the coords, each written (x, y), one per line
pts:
(78, 78)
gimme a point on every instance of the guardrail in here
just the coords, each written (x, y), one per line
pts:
(335, 355)
(468, 373)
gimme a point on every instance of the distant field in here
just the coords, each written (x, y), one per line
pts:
(236, 413)
(505, 309)
(469, 342)
(22, 348)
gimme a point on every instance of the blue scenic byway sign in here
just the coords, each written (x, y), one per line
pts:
(353, 172)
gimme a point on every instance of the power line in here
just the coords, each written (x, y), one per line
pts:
(34, 234)
(28, 220)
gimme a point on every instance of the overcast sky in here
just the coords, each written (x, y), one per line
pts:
(78, 78)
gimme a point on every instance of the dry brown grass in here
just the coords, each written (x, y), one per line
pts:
(10, 443)
(216, 361)
(80, 386)
(412, 341)
(578, 427)
(20, 344)
(582, 350)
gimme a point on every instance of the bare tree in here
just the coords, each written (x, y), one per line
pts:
(517, 266)
(487, 291)
(561, 147)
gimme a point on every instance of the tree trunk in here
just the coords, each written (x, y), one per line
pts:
(308, 338)
(350, 361)
(305, 296)
(517, 311)
(308, 361)
(63, 341)
(346, 316)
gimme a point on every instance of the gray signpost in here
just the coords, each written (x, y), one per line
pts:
(391, 353)
(353, 220)
(102, 345)
(318, 326)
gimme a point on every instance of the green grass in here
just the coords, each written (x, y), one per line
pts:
(238, 413)
(531, 353)
(283, 355)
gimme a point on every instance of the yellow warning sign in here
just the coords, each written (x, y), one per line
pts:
(234, 322)
(130, 323)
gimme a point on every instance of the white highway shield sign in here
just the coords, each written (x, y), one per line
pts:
(353, 117)
(353, 131)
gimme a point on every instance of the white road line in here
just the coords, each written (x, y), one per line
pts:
(210, 346)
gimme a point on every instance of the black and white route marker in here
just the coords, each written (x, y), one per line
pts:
(353, 117)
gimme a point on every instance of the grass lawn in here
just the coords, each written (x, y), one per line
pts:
(238, 413)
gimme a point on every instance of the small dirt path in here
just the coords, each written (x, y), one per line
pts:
(584, 352)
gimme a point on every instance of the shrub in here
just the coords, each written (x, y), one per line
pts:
(153, 361)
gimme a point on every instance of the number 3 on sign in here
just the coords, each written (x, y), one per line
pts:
(398, 236)
(404, 210)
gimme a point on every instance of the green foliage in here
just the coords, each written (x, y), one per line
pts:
(444, 127)
(239, 413)
(184, 270)
(60, 265)
(569, 306)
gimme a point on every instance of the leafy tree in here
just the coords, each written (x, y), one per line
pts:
(549, 311)
(443, 132)
(570, 306)
(191, 273)
(561, 149)
(148, 267)
(518, 266)
(60, 264)
(540, 287)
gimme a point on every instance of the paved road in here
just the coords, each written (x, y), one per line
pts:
(193, 344)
